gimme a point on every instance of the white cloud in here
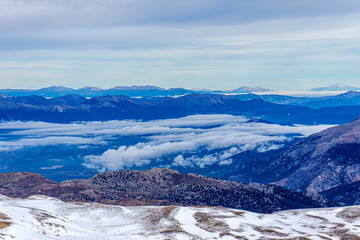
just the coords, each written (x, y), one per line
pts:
(44, 14)
(123, 128)
(123, 157)
(187, 42)
(228, 139)
(193, 141)
(47, 141)
(32, 66)
(180, 161)
(52, 167)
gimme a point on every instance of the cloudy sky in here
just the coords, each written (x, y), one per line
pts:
(216, 44)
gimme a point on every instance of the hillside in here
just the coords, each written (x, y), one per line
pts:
(44, 218)
(315, 164)
(160, 187)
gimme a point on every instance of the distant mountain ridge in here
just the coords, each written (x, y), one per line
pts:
(335, 87)
(243, 93)
(159, 186)
(344, 99)
(131, 91)
(73, 107)
(245, 89)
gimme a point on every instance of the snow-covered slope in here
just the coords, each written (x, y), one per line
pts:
(44, 218)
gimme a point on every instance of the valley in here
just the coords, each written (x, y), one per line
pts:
(179, 120)
(182, 153)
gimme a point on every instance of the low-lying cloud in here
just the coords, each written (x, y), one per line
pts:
(193, 141)
(205, 140)
(46, 141)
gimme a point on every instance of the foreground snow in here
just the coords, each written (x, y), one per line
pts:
(44, 218)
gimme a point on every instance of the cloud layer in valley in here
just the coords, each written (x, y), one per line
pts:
(193, 141)
(206, 140)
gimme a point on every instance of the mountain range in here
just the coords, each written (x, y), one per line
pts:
(336, 87)
(321, 170)
(131, 91)
(243, 93)
(325, 163)
(246, 93)
(71, 108)
(344, 99)
(148, 91)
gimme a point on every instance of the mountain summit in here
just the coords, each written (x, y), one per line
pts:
(336, 87)
(245, 89)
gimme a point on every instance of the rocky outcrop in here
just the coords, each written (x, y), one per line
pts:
(162, 187)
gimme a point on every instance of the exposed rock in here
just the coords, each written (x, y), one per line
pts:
(161, 187)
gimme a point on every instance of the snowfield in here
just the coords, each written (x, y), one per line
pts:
(44, 218)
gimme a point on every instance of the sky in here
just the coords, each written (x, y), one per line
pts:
(212, 44)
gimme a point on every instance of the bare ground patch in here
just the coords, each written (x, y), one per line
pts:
(350, 214)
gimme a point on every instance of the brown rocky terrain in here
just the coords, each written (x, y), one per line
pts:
(159, 187)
